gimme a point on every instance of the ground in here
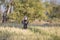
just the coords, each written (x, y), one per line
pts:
(32, 33)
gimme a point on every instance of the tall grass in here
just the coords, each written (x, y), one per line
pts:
(32, 33)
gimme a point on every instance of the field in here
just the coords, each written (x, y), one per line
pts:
(32, 33)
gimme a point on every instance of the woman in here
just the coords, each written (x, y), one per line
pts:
(25, 22)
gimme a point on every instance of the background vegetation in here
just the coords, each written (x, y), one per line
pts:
(34, 9)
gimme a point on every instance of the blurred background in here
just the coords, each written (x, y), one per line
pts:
(43, 17)
(37, 11)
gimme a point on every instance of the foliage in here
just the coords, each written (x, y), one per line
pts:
(34, 9)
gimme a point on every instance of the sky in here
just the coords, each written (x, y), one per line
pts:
(58, 1)
(2, 8)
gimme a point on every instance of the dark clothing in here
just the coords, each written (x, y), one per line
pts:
(25, 23)
(25, 26)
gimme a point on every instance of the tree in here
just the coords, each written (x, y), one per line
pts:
(34, 9)
(7, 5)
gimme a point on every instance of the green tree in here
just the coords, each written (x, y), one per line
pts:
(34, 9)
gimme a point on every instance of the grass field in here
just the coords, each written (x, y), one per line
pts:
(32, 33)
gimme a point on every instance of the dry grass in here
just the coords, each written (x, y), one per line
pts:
(32, 33)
